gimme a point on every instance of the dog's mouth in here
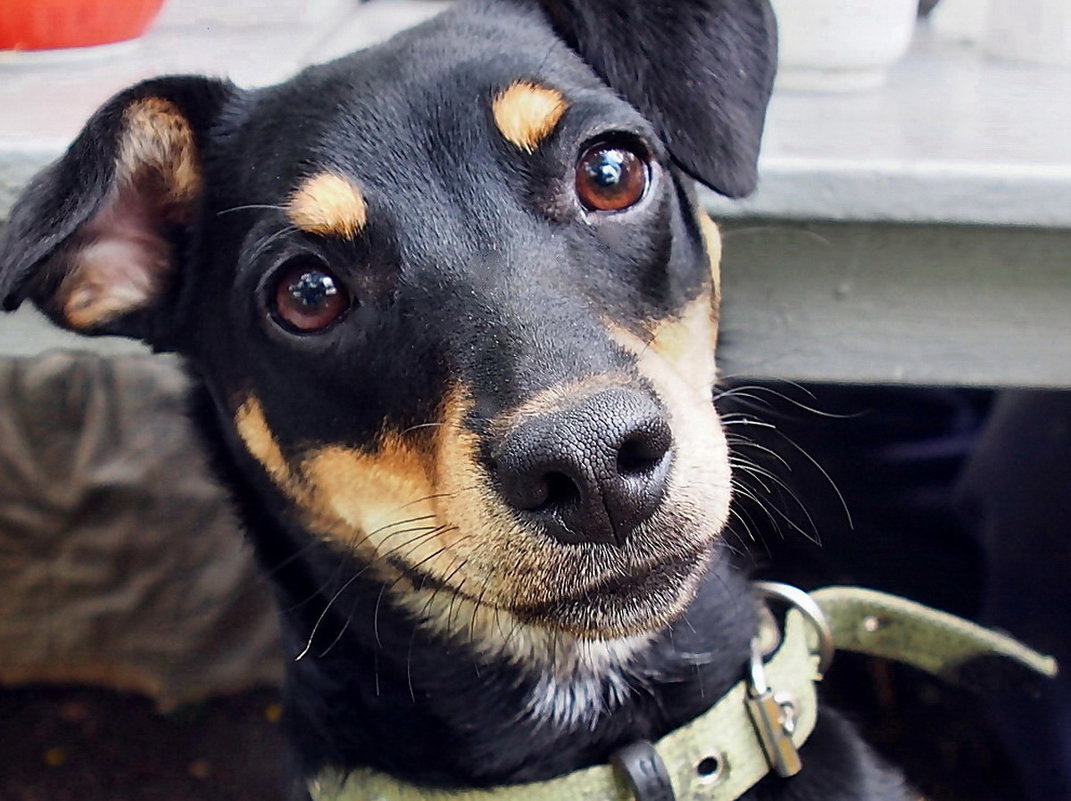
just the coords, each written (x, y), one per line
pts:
(641, 599)
(636, 600)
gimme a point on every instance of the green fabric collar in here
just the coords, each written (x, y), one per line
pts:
(722, 753)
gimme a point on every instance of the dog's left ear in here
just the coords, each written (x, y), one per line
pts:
(96, 237)
(701, 70)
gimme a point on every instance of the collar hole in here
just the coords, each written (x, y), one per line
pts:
(710, 769)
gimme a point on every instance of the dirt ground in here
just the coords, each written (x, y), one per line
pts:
(79, 744)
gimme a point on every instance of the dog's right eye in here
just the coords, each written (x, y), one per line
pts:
(307, 297)
(611, 176)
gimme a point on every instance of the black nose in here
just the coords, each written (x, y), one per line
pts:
(592, 472)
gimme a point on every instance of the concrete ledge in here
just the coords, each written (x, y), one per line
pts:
(954, 137)
(881, 303)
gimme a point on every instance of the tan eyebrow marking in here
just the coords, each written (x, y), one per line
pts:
(328, 205)
(526, 113)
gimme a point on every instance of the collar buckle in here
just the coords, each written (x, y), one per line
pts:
(774, 717)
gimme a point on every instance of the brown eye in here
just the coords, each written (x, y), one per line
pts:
(610, 177)
(308, 298)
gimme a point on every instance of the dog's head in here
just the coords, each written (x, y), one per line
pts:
(451, 295)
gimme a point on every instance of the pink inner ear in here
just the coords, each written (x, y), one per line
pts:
(118, 262)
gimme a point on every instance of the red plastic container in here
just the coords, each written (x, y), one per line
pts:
(54, 24)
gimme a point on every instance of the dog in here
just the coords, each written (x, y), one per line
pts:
(451, 304)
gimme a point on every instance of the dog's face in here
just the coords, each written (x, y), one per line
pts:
(450, 295)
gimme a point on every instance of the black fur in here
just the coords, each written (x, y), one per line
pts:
(476, 270)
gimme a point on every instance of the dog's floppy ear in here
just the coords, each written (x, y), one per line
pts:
(95, 237)
(701, 70)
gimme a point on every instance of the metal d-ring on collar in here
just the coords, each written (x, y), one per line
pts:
(807, 606)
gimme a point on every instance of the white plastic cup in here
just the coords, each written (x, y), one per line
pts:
(841, 45)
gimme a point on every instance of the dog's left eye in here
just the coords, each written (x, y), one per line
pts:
(308, 298)
(611, 177)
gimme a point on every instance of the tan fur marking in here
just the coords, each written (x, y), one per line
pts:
(712, 241)
(328, 205)
(157, 137)
(375, 502)
(687, 344)
(261, 442)
(526, 113)
(384, 498)
(292, 477)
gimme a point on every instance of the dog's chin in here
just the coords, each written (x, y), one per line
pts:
(641, 602)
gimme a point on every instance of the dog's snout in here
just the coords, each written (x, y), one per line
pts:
(591, 472)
